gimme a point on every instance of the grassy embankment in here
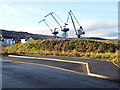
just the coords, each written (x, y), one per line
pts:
(81, 48)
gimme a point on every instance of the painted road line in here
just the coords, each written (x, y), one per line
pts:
(89, 74)
(44, 66)
(51, 59)
(101, 76)
(116, 65)
(47, 59)
(97, 75)
(5, 60)
(87, 66)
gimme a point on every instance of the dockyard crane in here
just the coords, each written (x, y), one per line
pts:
(54, 32)
(78, 32)
(63, 28)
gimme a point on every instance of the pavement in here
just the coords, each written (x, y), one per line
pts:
(97, 67)
(36, 74)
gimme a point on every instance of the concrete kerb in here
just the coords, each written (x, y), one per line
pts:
(86, 64)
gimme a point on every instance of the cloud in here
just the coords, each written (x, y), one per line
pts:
(98, 28)
(101, 28)
(8, 9)
(99, 24)
(101, 33)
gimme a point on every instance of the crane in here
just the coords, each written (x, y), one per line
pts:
(80, 31)
(65, 30)
(54, 32)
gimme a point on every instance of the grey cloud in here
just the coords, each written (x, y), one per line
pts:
(100, 24)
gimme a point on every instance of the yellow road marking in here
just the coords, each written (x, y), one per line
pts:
(44, 66)
(4, 60)
(48, 59)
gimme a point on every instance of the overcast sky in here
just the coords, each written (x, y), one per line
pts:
(98, 19)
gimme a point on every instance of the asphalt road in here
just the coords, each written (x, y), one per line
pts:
(23, 75)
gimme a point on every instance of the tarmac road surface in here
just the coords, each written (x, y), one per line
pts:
(26, 75)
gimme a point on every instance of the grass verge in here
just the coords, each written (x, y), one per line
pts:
(80, 48)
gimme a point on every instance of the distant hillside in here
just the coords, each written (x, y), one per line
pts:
(103, 39)
(95, 38)
(19, 35)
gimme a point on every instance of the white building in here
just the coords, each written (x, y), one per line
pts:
(22, 40)
(28, 39)
(6, 40)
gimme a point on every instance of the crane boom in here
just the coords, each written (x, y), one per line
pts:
(46, 24)
(73, 23)
(74, 17)
(53, 32)
(53, 18)
(48, 14)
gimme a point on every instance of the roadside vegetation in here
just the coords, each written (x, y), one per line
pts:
(80, 48)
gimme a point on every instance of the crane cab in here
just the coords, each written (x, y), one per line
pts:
(55, 32)
(65, 29)
(80, 31)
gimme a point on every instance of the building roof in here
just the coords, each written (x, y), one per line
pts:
(9, 37)
(37, 38)
(28, 38)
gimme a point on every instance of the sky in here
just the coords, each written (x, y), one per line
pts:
(98, 19)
